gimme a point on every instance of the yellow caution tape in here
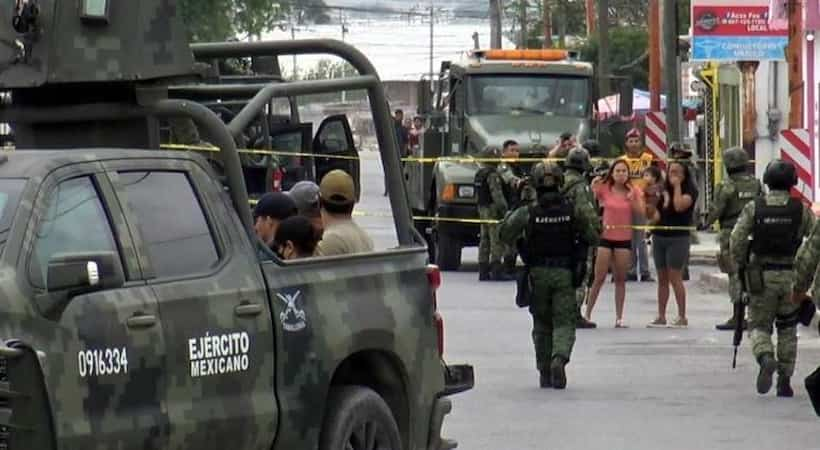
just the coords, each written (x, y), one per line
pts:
(201, 148)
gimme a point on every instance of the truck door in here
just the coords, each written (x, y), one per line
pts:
(112, 387)
(334, 139)
(211, 292)
(293, 138)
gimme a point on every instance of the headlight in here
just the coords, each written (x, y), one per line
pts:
(466, 191)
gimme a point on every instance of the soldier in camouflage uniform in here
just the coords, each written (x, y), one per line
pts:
(552, 229)
(776, 224)
(512, 183)
(492, 205)
(731, 195)
(576, 189)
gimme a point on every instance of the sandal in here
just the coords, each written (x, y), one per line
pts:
(657, 323)
(680, 322)
(620, 324)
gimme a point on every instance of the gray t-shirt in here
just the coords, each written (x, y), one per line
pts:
(343, 238)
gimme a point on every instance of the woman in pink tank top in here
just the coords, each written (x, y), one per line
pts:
(619, 200)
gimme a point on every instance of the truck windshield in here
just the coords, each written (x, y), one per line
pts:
(529, 94)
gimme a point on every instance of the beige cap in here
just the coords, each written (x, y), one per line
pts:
(337, 188)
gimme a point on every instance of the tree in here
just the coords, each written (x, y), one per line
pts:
(627, 54)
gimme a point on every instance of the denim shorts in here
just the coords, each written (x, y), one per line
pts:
(670, 252)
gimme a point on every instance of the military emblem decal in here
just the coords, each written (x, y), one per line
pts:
(292, 318)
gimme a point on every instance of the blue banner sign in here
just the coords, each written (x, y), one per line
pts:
(739, 48)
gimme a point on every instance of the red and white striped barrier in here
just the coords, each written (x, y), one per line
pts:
(655, 134)
(795, 147)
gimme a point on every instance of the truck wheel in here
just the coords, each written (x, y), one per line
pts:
(448, 251)
(357, 418)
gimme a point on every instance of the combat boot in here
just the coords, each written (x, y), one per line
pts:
(483, 272)
(559, 375)
(544, 379)
(784, 386)
(497, 273)
(767, 367)
(730, 324)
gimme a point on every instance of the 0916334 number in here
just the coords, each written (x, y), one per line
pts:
(101, 362)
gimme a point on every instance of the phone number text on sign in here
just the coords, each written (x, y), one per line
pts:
(102, 362)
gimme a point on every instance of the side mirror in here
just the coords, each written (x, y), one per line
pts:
(72, 274)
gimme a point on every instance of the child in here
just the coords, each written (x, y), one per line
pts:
(653, 192)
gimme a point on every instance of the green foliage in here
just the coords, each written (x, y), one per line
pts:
(626, 46)
(327, 69)
(220, 20)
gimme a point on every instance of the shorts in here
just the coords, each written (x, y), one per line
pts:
(670, 252)
(615, 245)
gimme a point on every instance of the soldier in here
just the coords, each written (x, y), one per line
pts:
(731, 195)
(492, 205)
(576, 189)
(512, 183)
(552, 229)
(776, 224)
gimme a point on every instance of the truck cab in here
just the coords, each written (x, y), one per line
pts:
(529, 96)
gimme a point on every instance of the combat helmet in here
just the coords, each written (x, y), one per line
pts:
(547, 176)
(592, 146)
(490, 152)
(780, 174)
(578, 159)
(735, 159)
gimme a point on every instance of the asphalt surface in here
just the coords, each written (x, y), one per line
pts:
(628, 389)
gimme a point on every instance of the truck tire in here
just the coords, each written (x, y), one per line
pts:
(448, 251)
(357, 418)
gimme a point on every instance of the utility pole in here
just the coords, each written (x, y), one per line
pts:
(495, 23)
(432, 29)
(522, 20)
(795, 59)
(654, 56)
(603, 47)
(590, 15)
(671, 73)
(547, 18)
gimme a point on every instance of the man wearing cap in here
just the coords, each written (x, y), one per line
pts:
(342, 236)
(637, 159)
(306, 196)
(270, 210)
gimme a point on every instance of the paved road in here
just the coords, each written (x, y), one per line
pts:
(628, 389)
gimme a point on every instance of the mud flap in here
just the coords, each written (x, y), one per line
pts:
(25, 411)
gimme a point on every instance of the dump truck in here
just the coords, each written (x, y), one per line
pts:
(139, 310)
(530, 96)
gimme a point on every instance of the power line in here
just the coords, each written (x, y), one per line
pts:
(377, 10)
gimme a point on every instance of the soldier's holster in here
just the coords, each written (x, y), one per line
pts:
(523, 293)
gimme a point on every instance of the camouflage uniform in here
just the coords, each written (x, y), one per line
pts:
(731, 195)
(511, 182)
(553, 307)
(576, 188)
(773, 305)
(492, 205)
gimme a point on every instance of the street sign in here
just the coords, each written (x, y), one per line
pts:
(735, 30)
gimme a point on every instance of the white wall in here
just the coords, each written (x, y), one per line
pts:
(766, 149)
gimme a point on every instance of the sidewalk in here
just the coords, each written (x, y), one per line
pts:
(705, 253)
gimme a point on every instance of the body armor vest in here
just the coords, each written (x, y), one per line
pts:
(776, 228)
(551, 233)
(746, 189)
(482, 186)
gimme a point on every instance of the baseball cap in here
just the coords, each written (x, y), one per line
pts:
(306, 196)
(337, 188)
(277, 205)
(633, 133)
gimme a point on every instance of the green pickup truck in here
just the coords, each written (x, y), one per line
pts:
(139, 309)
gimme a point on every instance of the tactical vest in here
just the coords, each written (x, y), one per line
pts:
(482, 186)
(746, 189)
(550, 232)
(776, 228)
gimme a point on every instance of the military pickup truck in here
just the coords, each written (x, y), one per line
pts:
(139, 309)
(530, 96)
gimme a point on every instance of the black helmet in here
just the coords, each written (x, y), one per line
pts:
(735, 159)
(592, 146)
(547, 176)
(578, 159)
(780, 174)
